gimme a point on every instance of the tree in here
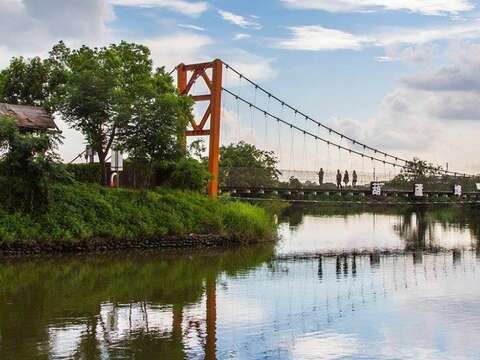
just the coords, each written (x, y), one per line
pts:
(115, 98)
(418, 171)
(30, 82)
(103, 88)
(28, 163)
(243, 164)
(152, 133)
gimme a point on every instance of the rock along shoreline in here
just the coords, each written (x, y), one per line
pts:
(192, 241)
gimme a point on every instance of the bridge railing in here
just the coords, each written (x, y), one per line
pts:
(259, 178)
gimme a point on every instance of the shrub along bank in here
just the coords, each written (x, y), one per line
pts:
(81, 213)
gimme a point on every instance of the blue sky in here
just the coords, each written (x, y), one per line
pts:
(400, 74)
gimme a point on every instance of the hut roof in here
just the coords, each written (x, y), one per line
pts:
(28, 117)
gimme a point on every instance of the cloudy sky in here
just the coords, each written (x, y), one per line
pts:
(402, 75)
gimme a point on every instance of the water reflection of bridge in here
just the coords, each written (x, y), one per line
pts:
(230, 303)
(298, 294)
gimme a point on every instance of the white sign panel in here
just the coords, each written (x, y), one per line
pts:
(377, 189)
(418, 190)
(457, 190)
(117, 161)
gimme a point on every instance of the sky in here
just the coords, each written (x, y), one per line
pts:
(400, 75)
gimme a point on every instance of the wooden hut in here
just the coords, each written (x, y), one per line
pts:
(29, 117)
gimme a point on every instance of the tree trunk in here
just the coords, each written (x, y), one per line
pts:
(103, 166)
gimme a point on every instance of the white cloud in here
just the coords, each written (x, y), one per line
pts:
(240, 20)
(199, 48)
(241, 36)
(191, 27)
(459, 77)
(30, 27)
(318, 38)
(395, 36)
(166, 51)
(417, 54)
(427, 114)
(253, 66)
(384, 59)
(181, 6)
(426, 7)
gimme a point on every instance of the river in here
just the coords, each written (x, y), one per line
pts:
(338, 284)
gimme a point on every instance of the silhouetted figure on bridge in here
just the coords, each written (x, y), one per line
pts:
(354, 178)
(320, 176)
(346, 178)
(339, 179)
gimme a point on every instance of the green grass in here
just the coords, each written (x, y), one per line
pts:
(82, 212)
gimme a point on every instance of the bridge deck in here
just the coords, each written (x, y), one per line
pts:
(351, 195)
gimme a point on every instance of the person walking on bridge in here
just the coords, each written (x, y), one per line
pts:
(354, 179)
(320, 177)
(346, 178)
(339, 179)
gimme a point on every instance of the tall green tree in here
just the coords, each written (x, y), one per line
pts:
(152, 134)
(243, 164)
(99, 91)
(115, 97)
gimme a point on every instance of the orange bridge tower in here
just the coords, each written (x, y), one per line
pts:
(209, 125)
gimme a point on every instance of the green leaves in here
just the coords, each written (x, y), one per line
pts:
(114, 96)
(243, 164)
(29, 82)
(27, 166)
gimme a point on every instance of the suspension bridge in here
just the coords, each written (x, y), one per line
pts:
(313, 158)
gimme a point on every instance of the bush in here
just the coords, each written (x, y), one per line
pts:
(189, 174)
(86, 173)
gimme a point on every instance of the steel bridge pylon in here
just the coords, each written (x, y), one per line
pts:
(187, 75)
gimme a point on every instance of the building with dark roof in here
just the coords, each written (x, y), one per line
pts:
(29, 117)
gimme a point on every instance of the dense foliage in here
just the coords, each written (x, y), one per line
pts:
(418, 171)
(244, 164)
(27, 167)
(113, 95)
(78, 212)
(85, 173)
(30, 82)
(189, 174)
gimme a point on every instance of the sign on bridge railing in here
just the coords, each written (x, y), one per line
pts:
(418, 190)
(377, 188)
(457, 190)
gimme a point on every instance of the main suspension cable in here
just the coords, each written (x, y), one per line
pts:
(331, 130)
(305, 132)
(318, 123)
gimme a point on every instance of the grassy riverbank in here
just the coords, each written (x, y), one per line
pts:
(82, 212)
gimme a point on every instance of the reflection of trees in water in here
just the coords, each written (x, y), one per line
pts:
(417, 230)
(98, 292)
(295, 214)
(415, 226)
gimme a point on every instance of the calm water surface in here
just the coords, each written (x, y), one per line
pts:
(289, 300)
